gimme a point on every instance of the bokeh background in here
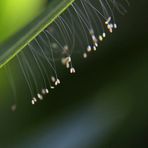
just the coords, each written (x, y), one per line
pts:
(105, 105)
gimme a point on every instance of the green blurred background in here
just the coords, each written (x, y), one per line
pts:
(15, 14)
(105, 105)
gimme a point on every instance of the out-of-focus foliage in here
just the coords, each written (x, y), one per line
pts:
(15, 14)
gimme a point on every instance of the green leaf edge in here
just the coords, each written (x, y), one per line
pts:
(46, 19)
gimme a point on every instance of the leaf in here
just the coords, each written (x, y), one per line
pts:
(12, 47)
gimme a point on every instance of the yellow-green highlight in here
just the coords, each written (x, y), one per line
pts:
(15, 14)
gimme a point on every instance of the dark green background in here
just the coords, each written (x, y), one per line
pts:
(104, 105)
